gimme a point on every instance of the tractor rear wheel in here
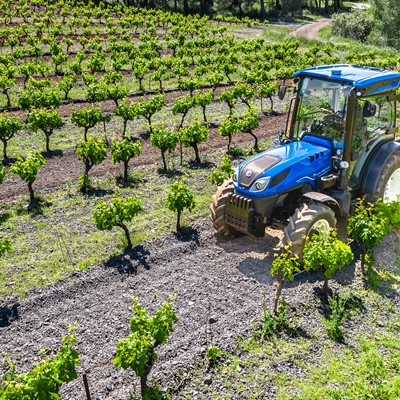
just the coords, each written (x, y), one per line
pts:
(218, 205)
(388, 185)
(308, 220)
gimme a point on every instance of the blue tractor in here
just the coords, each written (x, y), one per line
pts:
(339, 145)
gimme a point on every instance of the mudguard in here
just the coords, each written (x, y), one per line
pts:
(374, 167)
(322, 198)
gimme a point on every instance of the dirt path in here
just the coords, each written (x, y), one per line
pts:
(310, 30)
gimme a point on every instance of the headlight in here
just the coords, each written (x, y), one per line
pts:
(235, 175)
(260, 184)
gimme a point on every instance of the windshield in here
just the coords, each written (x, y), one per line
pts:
(322, 109)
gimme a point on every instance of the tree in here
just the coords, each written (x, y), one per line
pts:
(326, 254)
(180, 197)
(137, 350)
(92, 152)
(117, 213)
(123, 151)
(86, 118)
(284, 267)
(27, 169)
(193, 135)
(9, 126)
(47, 121)
(386, 15)
(164, 140)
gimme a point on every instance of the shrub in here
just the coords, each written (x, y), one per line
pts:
(137, 351)
(46, 378)
(356, 25)
(92, 152)
(86, 118)
(5, 246)
(221, 174)
(193, 135)
(367, 227)
(284, 267)
(179, 198)
(165, 141)
(123, 151)
(27, 169)
(9, 126)
(46, 121)
(107, 216)
(327, 255)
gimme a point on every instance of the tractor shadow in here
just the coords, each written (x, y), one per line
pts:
(130, 261)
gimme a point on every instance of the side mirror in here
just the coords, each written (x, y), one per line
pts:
(369, 109)
(282, 92)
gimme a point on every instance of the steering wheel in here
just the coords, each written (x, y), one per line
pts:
(333, 118)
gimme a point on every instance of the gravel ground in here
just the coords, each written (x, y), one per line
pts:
(213, 279)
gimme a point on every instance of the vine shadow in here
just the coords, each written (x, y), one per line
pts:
(202, 165)
(52, 153)
(91, 192)
(174, 173)
(128, 262)
(4, 217)
(8, 314)
(8, 161)
(188, 234)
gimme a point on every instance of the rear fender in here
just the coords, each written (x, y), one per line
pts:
(322, 198)
(374, 167)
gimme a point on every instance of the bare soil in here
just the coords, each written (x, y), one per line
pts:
(67, 167)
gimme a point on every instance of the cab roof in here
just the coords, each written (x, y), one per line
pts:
(369, 80)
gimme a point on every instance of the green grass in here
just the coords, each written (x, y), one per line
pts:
(367, 371)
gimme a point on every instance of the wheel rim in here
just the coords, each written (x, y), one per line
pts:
(320, 227)
(392, 188)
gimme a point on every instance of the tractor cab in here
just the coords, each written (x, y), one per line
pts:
(353, 107)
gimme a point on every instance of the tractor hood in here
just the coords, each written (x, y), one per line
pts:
(283, 168)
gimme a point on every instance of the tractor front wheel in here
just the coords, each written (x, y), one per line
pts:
(388, 185)
(218, 205)
(308, 220)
